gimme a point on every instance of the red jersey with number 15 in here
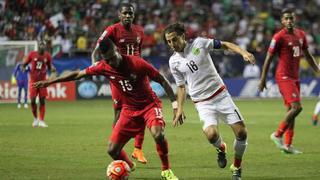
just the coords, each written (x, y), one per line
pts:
(130, 80)
(289, 47)
(39, 65)
(128, 42)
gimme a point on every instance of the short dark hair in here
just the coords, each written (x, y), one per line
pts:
(175, 27)
(105, 45)
(287, 11)
(128, 5)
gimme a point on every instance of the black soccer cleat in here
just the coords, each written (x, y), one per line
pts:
(222, 160)
(236, 172)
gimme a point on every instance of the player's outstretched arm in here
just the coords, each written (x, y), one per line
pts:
(74, 75)
(235, 48)
(265, 68)
(312, 62)
(94, 54)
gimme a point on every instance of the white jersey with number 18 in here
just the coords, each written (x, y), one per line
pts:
(195, 67)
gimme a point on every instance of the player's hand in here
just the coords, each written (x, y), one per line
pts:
(40, 84)
(178, 118)
(249, 58)
(262, 85)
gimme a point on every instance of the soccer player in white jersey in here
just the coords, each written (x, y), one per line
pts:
(191, 64)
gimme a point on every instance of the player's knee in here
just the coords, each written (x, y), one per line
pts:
(42, 101)
(242, 134)
(212, 137)
(211, 133)
(296, 108)
(158, 137)
(33, 102)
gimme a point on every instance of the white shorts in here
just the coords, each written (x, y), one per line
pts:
(218, 108)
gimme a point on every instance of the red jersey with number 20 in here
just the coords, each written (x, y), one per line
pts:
(289, 48)
(39, 65)
(129, 42)
(130, 80)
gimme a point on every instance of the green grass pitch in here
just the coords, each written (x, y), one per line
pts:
(74, 145)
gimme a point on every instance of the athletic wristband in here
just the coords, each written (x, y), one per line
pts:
(174, 105)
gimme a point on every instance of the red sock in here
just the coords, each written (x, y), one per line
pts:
(34, 110)
(288, 137)
(42, 111)
(281, 129)
(237, 162)
(123, 156)
(162, 150)
(138, 140)
(222, 147)
(314, 117)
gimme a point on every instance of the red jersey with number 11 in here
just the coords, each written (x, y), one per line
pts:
(129, 42)
(289, 47)
(39, 65)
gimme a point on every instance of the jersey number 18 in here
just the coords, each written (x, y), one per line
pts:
(192, 66)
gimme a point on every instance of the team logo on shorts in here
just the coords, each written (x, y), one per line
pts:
(294, 95)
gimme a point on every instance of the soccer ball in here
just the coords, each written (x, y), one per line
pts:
(118, 170)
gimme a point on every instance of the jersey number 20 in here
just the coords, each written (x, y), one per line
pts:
(296, 51)
(38, 65)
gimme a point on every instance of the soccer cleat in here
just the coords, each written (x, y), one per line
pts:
(35, 123)
(277, 140)
(291, 150)
(236, 172)
(139, 156)
(42, 124)
(25, 105)
(168, 175)
(314, 120)
(222, 160)
(19, 106)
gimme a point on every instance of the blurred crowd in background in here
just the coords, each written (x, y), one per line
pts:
(75, 25)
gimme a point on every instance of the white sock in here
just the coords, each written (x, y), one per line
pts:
(317, 109)
(239, 148)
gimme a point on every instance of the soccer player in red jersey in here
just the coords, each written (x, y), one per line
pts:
(289, 43)
(40, 61)
(128, 38)
(140, 106)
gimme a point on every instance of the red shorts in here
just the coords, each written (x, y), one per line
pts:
(34, 92)
(131, 122)
(116, 97)
(290, 91)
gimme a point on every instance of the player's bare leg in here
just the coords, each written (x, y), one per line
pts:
(215, 139)
(240, 145)
(137, 152)
(157, 133)
(34, 112)
(287, 127)
(117, 153)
